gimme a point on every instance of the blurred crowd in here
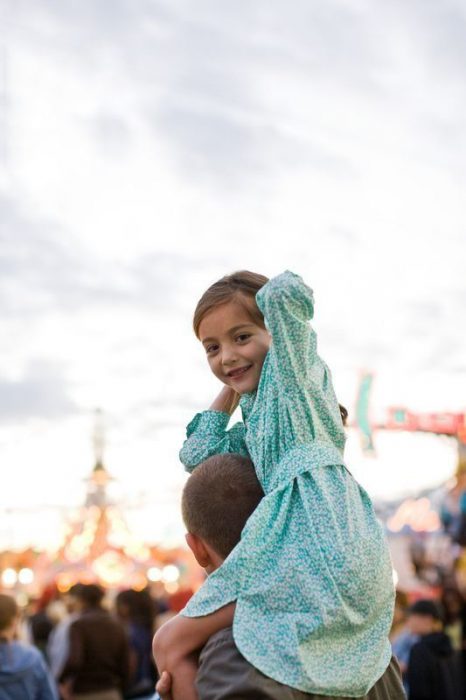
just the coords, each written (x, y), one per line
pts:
(91, 645)
(86, 643)
(429, 641)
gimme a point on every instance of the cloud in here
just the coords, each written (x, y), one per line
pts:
(41, 392)
(110, 133)
(43, 267)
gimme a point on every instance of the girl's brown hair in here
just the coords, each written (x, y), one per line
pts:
(241, 286)
(236, 286)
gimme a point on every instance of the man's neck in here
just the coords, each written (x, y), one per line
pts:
(9, 634)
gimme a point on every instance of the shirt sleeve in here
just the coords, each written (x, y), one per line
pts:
(74, 661)
(124, 662)
(207, 435)
(287, 305)
(46, 686)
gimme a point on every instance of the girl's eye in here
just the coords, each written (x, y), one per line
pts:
(243, 337)
(211, 348)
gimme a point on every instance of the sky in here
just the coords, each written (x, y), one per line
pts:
(146, 149)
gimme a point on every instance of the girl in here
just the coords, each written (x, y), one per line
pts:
(311, 577)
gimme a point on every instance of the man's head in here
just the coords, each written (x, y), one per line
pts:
(8, 616)
(424, 617)
(88, 596)
(71, 598)
(217, 500)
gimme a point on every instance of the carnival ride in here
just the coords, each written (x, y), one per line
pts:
(424, 528)
(98, 546)
(400, 418)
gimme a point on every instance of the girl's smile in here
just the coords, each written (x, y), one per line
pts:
(236, 346)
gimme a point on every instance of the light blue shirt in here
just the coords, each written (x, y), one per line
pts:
(23, 674)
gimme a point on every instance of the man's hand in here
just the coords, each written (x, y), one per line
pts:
(164, 686)
(66, 692)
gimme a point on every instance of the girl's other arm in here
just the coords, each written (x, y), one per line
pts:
(177, 640)
(207, 433)
(226, 401)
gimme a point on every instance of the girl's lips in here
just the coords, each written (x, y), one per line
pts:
(235, 373)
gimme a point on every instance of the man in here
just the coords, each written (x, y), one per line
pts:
(97, 667)
(434, 668)
(23, 673)
(217, 501)
(58, 641)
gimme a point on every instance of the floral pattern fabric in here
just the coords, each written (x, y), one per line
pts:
(311, 576)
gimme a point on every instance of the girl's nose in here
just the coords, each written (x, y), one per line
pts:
(229, 356)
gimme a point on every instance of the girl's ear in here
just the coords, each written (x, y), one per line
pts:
(198, 548)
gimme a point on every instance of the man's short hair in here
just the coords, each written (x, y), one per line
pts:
(426, 608)
(90, 594)
(8, 611)
(218, 499)
(74, 590)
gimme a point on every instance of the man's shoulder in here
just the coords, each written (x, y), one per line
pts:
(225, 673)
(99, 619)
(222, 638)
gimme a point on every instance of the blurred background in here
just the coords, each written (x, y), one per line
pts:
(148, 148)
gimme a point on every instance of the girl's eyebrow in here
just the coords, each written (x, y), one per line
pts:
(230, 330)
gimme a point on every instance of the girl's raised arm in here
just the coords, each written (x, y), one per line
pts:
(287, 304)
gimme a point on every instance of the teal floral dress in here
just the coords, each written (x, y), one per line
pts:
(311, 576)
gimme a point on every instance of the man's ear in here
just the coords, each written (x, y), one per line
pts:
(198, 548)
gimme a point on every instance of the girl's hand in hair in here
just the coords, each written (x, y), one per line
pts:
(227, 401)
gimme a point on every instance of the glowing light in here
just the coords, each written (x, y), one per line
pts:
(170, 573)
(26, 576)
(9, 578)
(138, 582)
(396, 578)
(171, 587)
(22, 599)
(110, 568)
(143, 553)
(63, 582)
(154, 574)
(416, 514)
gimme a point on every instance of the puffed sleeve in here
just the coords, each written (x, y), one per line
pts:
(287, 304)
(207, 435)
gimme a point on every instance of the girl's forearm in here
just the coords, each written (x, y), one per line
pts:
(181, 636)
(226, 401)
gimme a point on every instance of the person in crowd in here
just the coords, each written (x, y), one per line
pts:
(306, 612)
(23, 672)
(218, 499)
(97, 667)
(452, 605)
(136, 611)
(434, 668)
(40, 624)
(58, 642)
(399, 614)
(404, 634)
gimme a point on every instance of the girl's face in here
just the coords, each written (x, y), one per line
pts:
(235, 344)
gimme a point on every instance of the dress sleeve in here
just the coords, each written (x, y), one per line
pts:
(287, 305)
(207, 435)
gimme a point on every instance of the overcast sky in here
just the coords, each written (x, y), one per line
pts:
(146, 149)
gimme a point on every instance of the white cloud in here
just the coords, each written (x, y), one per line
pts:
(150, 149)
